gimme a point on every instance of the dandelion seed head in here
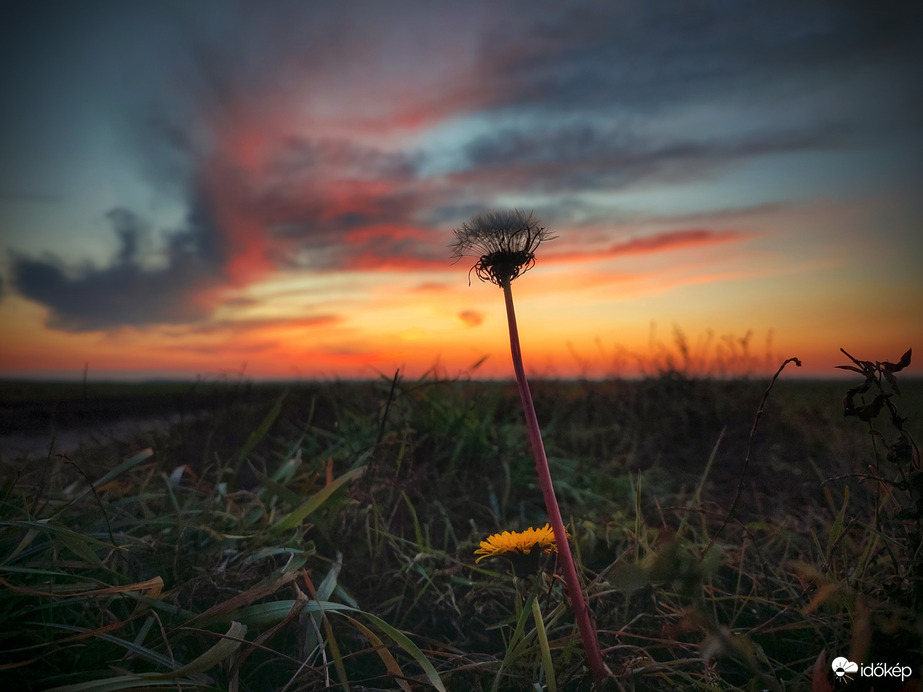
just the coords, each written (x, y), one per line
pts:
(504, 242)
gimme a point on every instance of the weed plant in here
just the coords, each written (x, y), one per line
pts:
(324, 538)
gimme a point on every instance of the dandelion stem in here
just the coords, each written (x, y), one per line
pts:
(565, 557)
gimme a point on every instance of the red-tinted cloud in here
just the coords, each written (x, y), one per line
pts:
(671, 240)
(659, 242)
(472, 318)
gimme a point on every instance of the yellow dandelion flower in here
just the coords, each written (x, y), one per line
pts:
(514, 543)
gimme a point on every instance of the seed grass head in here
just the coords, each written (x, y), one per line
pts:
(504, 242)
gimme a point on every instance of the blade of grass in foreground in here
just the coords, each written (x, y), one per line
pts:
(512, 646)
(80, 544)
(547, 664)
(125, 682)
(260, 432)
(227, 645)
(404, 642)
(129, 463)
(296, 516)
(266, 613)
(152, 588)
(391, 664)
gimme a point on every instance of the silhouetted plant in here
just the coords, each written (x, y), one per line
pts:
(505, 242)
(896, 472)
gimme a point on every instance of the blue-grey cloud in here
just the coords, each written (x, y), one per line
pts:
(592, 157)
(650, 57)
(81, 298)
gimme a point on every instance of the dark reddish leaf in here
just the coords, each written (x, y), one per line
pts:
(900, 452)
(869, 411)
(900, 365)
(889, 376)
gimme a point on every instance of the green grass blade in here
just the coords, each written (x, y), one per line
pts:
(260, 432)
(141, 652)
(23, 544)
(547, 664)
(125, 682)
(129, 463)
(399, 637)
(417, 531)
(276, 488)
(227, 645)
(296, 516)
(391, 664)
(79, 543)
(324, 591)
(287, 471)
(512, 647)
(407, 645)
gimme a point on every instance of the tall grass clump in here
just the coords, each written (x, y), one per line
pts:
(151, 574)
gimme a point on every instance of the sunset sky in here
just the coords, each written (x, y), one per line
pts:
(201, 188)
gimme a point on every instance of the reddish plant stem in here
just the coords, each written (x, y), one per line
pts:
(565, 557)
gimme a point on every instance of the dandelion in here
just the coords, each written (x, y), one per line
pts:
(523, 549)
(505, 243)
(517, 542)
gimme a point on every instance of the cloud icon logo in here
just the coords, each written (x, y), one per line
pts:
(843, 666)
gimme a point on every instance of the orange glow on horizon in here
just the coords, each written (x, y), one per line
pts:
(447, 343)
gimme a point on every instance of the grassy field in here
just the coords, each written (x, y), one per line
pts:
(319, 536)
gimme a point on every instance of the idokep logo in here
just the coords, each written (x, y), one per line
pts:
(844, 669)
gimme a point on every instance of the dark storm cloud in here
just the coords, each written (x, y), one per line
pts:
(652, 56)
(82, 298)
(586, 102)
(810, 77)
